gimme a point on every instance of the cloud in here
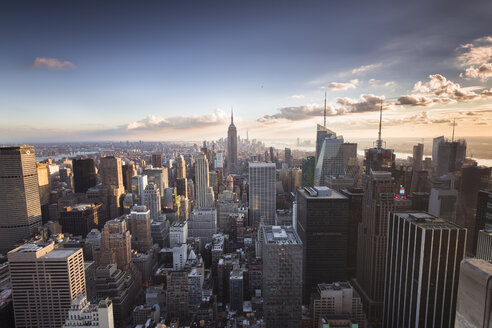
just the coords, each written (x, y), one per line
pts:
(378, 83)
(337, 86)
(153, 122)
(438, 90)
(365, 68)
(297, 96)
(341, 106)
(478, 57)
(421, 118)
(52, 63)
(486, 93)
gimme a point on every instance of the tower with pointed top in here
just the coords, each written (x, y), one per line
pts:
(232, 146)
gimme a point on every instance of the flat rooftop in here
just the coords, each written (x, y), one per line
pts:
(262, 164)
(281, 235)
(427, 221)
(321, 192)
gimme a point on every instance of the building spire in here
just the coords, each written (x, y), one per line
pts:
(454, 124)
(324, 116)
(380, 141)
(232, 115)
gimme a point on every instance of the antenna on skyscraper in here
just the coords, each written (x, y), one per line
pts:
(324, 117)
(232, 115)
(454, 124)
(380, 142)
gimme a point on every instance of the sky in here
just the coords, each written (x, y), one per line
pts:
(173, 70)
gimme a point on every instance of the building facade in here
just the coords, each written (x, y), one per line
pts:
(262, 195)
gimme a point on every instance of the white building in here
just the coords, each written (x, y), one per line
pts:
(178, 233)
(203, 223)
(139, 182)
(83, 314)
(152, 199)
(262, 201)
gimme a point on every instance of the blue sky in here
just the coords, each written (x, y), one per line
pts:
(171, 70)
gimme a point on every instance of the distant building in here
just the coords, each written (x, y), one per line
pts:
(115, 245)
(139, 225)
(112, 185)
(421, 281)
(232, 147)
(418, 157)
(473, 308)
(308, 166)
(157, 160)
(442, 203)
(139, 183)
(450, 156)
(282, 277)
(226, 204)
(152, 200)
(330, 160)
(79, 220)
(20, 210)
(204, 193)
(84, 174)
(262, 196)
(83, 314)
(41, 302)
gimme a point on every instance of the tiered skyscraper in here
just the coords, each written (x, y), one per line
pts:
(232, 147)
(20, 207)
(262, 201)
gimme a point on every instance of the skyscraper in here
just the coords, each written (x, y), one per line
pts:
(232, 147)
(288, 157)
(152, 199)
(450, 157)
(262, 196)
(435, 149)
(20, 208)
(139, 224)
(115, 245)
(321, 133)
(483, 219)
(204, 193)
(418, 156)
(330, 159)
(322, 217)
(282, 277)
(45, 280)
(112, 185)
(422, 270)
(157, 160)
(180, 167)
(84, 174)
(80, 219)
(355, 197)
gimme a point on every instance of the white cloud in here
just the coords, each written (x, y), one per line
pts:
(478, 57)
(297, 96)
(365, 68)
(52, 63)
(219, 117)
(337, 86)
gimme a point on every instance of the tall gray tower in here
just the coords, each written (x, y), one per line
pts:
(232, 146)
(20, 208)
(262, 202)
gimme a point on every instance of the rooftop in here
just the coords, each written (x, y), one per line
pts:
(281, 235)
(427, 221)
(321, 192)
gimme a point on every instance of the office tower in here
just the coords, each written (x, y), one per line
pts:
(157, 176)
(182, 187)
(335, 301)
(484, 210)
(422, 270)
(338, 182)
(484, 245)
(178, 233)
(378, 200)
(180, 167)
(128, 171)
(282, 277)
(44, 281)
(262, 197)
(20, 209)
(203, 224)
(84, 174)
(418, 156)
(226, 204)
(236, 289)
(80, 219)
(232, 147)
(322, 216)
(119, 286)
(159, 230)
(451, 155)
(152, 199)
(473, 179)
(177, 294)
(139, 183)
(204, 193)
(473, 308)
(330, 160)
(157, 160)
(354, 196)
(139, 225)
(115, 245)
(44, 183)
(307, 167)
(112, 185)
(321, 133)
(442, 203)
(435, 149)
(349, 154)
(288, 157)
(195, 284)
(83, 314)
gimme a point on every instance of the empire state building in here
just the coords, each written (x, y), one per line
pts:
(231, 146)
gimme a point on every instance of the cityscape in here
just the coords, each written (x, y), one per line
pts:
(245, 164)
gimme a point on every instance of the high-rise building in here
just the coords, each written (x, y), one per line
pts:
(473, 308)
(20, 208)
(177, 294)
(159, 230)
(128, 171)
(307, 167)
(139, 183)
(483, 217)
(288, 157)
(418, 156)
(232, 147)
(204, 193)
(80, 219)
(321, 133)
(84, 174)
(45, 281)
(226, 204)
(484, 245)
(282, 277)
(203, 223)
(322, 217)
(44, 181)
(115, 245)
(435, 149)
(355, 197)
(139, 225)
(334, 300)
(157, 160)
(451, 155)
(262, 196)
(330, 160)
(112, 185)
(83, 314)
(422, 270)
(236, 288)
(378, 200)
(180, 167)
(442, 203)
(178, 233)
(379, 158)
(152, 199)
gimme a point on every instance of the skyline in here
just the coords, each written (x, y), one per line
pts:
(93, 72)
